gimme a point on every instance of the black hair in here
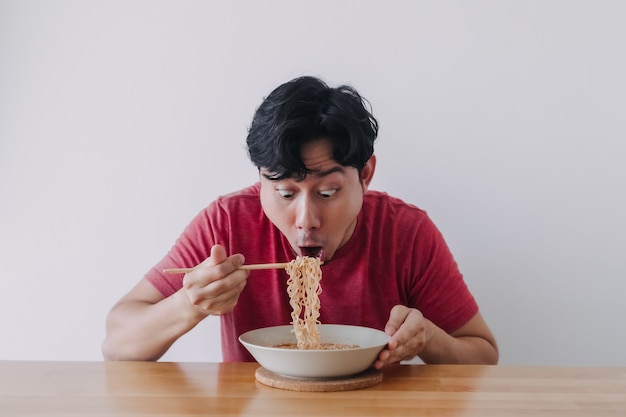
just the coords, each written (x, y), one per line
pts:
(306, 109)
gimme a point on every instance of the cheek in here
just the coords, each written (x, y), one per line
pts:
(276, 212)
(343, 216)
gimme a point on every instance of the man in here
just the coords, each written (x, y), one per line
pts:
(386, 265)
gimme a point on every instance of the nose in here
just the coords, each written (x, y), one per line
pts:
(307, 214)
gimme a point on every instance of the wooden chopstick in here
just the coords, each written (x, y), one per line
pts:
(249, 267)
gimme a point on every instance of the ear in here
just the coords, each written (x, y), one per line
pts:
(367, 173)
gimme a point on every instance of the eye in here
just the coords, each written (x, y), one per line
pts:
(284, 193)
(328, 193)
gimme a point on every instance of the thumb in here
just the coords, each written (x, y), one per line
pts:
(396, 318)
(218, 255)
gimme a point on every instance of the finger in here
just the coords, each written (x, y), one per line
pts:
(397, 316)
(217, 266)
(218, 255)
(407, 329)
(220, 295)
(221, 303)
(233, 282)
(410, 338)
(214, 286)
(382, 359)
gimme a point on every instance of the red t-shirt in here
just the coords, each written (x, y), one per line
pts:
(395, 256)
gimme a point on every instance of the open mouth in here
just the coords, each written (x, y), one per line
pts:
(313, 251)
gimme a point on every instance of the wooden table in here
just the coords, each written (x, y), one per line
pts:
(89, 389)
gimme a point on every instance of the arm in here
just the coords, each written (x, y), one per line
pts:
(143, 324)
(413, 335)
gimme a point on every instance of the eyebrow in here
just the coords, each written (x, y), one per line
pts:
(315, 173)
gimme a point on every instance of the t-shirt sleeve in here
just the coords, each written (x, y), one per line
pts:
(191, 248)
(439, 290)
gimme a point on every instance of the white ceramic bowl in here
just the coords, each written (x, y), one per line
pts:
(301, 363)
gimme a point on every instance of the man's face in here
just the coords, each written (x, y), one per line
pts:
(318, 214)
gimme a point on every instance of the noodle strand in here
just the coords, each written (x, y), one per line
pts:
(303, 287)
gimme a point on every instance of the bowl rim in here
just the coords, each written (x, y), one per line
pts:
(323, 325)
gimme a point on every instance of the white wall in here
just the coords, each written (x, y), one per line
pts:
(506, 120)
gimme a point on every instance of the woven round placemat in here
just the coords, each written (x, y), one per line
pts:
(361, 380)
